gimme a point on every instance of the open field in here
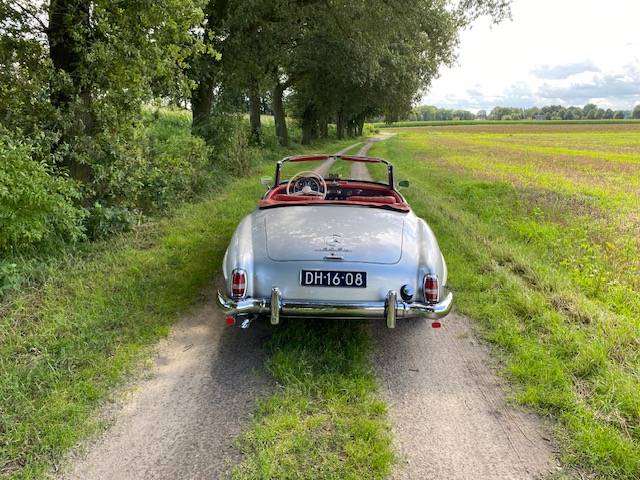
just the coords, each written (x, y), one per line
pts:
(540, 225)
(440, 123)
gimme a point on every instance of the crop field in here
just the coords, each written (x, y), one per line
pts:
(481, 123)
(540, 225)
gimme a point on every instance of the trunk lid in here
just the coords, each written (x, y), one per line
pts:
(334, 233)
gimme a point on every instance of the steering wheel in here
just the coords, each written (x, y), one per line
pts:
(301, 184)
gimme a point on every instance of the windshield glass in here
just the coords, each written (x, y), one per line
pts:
(337, 169)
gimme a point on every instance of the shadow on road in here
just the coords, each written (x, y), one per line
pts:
(182, 420)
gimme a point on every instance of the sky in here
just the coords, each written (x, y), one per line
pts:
(566, 52)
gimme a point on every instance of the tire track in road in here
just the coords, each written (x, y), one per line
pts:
(324, 169)
(449, 414)
(180, 421)
(359, 170)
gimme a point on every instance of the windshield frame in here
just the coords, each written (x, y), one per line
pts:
(348, 158)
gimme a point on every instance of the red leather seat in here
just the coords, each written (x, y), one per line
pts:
(382, 199)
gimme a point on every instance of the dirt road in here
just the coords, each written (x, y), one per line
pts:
(359, 170)
(450, 419)
(325, 167)
(448, 410)
(181, 421)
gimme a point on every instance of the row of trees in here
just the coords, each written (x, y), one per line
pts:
(80, 70)
(332, 61)
(557, 112)
(551, 112)
(75, 76)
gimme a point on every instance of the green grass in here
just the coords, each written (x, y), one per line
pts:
(441, 123)
(543, 253)
(325, 420)
(66, 343)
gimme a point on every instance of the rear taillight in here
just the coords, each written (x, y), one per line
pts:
(431, 290)
(238, 283)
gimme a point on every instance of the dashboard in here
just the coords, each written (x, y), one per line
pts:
(337, 192)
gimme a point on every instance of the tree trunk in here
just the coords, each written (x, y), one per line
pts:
(204, 68)
(324, 128)
(254, 116)
(279, 115)
(308, 125)
(69, 37)
(340, 125)
(202, 102)
(350, 128)
(360, 126)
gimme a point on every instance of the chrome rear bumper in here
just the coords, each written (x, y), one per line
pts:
(276, 306)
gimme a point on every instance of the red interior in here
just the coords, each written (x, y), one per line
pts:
(340, 193)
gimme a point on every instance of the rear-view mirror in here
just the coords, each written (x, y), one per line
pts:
(266, 181)
(403, 183)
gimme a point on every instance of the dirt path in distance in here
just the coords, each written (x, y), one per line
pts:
(449, 414)
(359, 170)
(325, 167)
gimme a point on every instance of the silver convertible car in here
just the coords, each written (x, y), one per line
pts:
(333, 238)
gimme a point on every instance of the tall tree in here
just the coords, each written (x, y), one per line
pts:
(96, 62)
(206, 63)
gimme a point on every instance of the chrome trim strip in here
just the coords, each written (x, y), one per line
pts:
(332, 309)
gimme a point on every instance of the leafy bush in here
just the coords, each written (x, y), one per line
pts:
(239, 157)
(152, 165)
(37, 205)
(178, 166)
(104, 221)
(234, 151)
(370, 129)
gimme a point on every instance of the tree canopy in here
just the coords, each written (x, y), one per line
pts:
(77, 75)
(339, 61)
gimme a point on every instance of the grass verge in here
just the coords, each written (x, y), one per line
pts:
(324, 421)
(65, 345)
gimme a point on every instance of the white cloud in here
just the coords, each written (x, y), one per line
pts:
(559, 72)
(568, 52)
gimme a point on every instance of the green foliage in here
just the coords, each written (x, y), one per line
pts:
(102, 222)
(152, 172)
(67, 344)
(157, 165)
(73, 78)
(37, 206)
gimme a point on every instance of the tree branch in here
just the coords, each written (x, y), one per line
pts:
(25, 12)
